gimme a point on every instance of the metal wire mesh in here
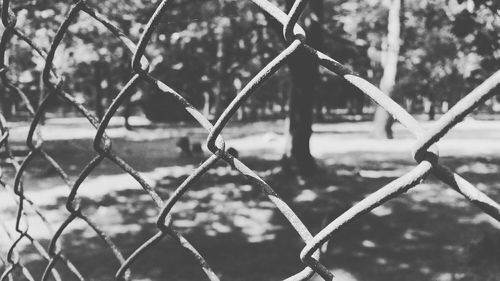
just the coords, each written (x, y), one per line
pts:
(425, 151)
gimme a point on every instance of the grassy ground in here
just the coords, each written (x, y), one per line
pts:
(430, 233)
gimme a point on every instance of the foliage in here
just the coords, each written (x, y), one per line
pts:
(208, 50)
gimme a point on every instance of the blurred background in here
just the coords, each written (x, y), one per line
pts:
(319, 142)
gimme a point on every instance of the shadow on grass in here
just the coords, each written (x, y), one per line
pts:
(430, 233)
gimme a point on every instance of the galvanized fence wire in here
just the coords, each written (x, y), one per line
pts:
(425, 150)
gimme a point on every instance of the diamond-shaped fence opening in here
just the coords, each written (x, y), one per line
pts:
(425, 151)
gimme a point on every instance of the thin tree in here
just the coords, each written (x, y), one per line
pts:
(222, 26)
(390, 55)
(99, 91)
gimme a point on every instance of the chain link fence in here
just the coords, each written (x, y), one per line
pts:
(425, 151)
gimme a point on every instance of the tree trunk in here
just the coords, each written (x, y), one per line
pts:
(6, 106)
(99, 95)
(6, 103)
(382, 120)
(206, 104)
(127, 112)
(305, 78)
(218, 91)
(320, 117)
(432, 107)
(223, 39)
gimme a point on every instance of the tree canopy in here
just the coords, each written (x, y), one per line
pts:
(208, 50)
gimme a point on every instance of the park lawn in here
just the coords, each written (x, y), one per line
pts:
(429, 233)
